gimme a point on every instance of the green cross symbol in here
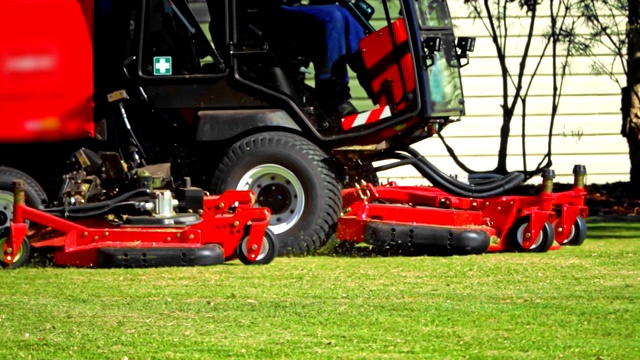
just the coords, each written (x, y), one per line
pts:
(162, 65)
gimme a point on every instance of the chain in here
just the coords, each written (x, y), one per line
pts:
(363, 191)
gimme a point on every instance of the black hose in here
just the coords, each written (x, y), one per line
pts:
(96, 212)
(443, 181)
(108, 204)
(496, 182)
(458, 188)
(407, 161)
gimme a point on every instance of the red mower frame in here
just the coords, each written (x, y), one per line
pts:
(441, 223)
(227, 226)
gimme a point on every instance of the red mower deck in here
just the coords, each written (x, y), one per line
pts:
(213, 229)
(427, 220)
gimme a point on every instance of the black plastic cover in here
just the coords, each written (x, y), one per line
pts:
(426, 240)
(160, 257)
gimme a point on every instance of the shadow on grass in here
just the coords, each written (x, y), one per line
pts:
(349, 249)
(591, 236)
(613, 230)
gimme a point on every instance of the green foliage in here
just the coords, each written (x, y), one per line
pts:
(578, 302)
(606, 23)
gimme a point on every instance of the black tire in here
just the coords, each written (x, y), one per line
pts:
(268, 251)
(35, 195)
(22, 257)
(542, 243)
(578, 233)
(291, 177)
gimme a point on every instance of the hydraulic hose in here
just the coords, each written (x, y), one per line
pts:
(438, 178)
(96, 212)
(99, 206)
(490, 183)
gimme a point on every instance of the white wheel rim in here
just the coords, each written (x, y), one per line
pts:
(6, 208)
(264, 249)
(520, 235)
(17, 256)
(279, 189)
(571, 234)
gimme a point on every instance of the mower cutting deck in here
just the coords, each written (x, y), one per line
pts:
(206, 230)
(427, 220)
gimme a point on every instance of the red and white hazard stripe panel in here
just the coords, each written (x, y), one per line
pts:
(366, 117)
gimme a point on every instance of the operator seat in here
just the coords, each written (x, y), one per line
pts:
(277, 64)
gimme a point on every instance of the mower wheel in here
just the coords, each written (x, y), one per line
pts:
(542, 243)
(290, 176)
(35, 195)
(268, 251)
(19, 259)
(578, 233)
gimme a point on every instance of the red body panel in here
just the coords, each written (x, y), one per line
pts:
(386, 55)
(46, 70)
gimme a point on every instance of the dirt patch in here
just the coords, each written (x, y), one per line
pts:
(619, 201)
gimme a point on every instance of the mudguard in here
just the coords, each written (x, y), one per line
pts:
(225, 124)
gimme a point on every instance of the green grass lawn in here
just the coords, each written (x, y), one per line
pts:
(576, 303)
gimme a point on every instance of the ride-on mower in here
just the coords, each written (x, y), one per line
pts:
(212, 88)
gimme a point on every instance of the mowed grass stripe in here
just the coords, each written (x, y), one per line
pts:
(578, 302)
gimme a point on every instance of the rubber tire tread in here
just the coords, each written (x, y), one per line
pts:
(327, 196)
(35, 195)
(273, 251)
(26, 251)
(580, 233)
(547, 236)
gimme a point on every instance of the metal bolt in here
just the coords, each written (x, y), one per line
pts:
(499, 208)
(178, 234)
(254, 247)
(221, 205)
(85, 233)
(191, 236)
(236, 223)
(200, 212)
(106, 233)
(95, 237)
(9, 250)
(559, 229)
(527, 235)
(168, 238)
(474, 204)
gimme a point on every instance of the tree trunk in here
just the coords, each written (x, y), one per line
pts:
(631, 94)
